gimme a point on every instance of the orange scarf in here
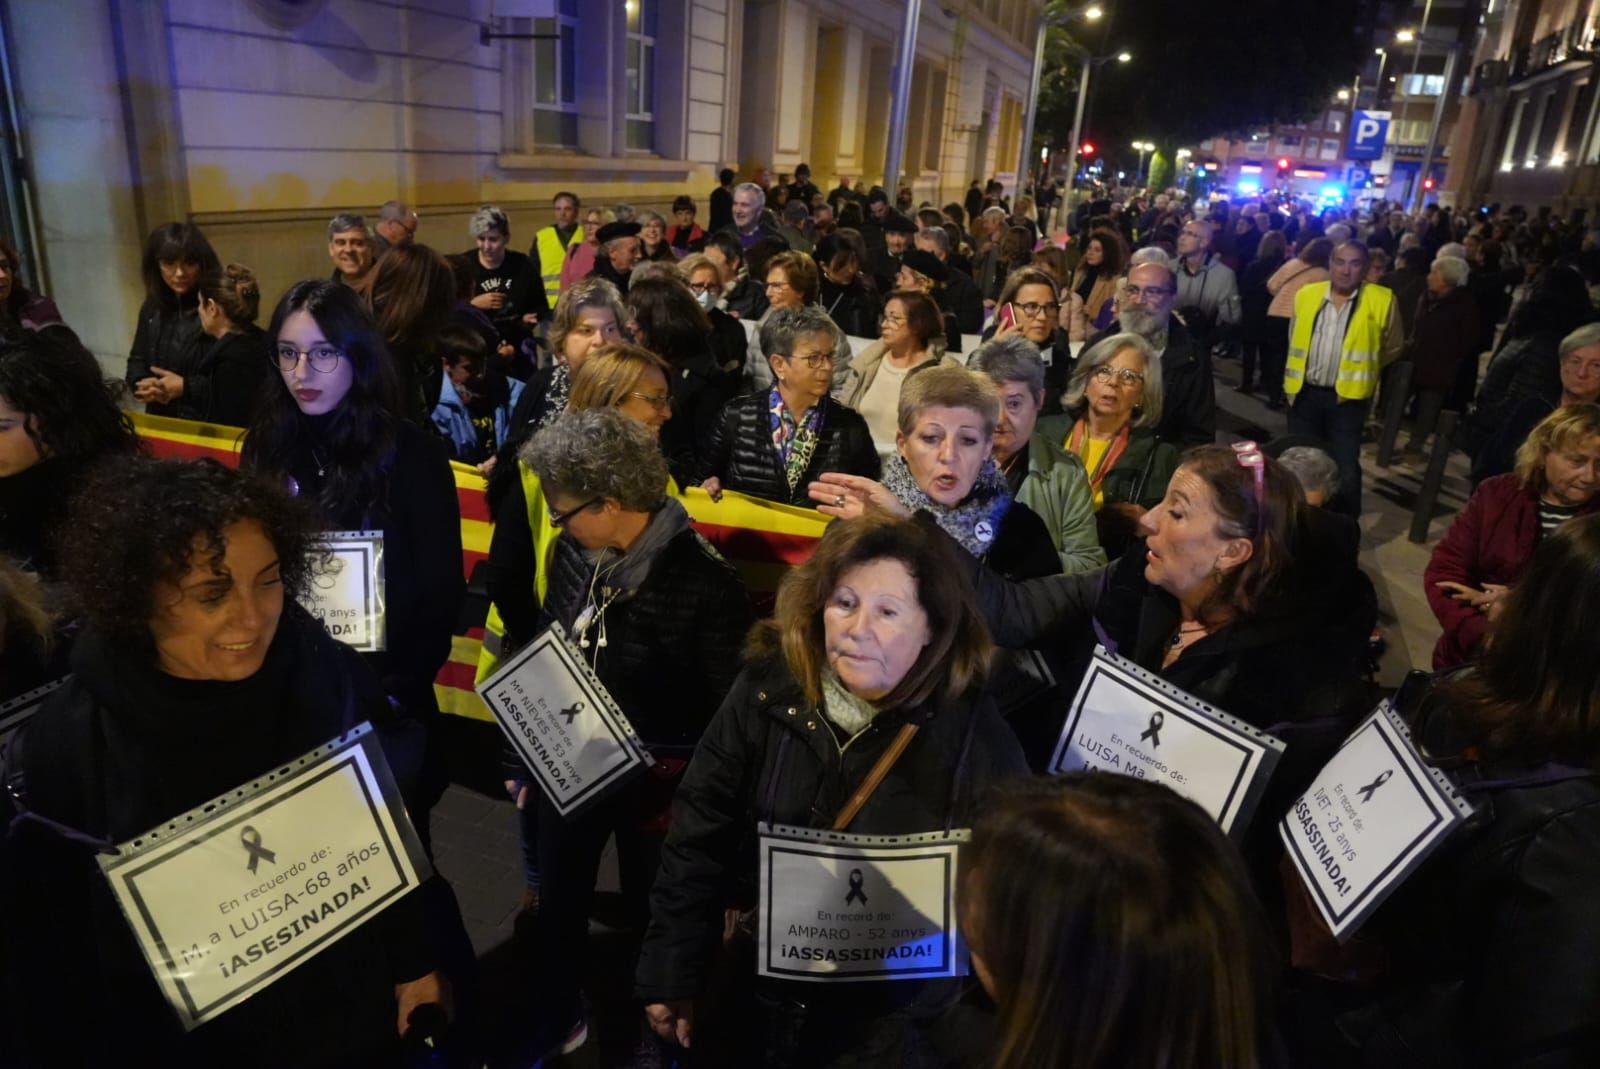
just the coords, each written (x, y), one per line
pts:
(1108, 460)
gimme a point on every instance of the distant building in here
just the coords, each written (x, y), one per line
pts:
(261, 119)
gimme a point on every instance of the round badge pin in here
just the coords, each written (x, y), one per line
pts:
(984, 532)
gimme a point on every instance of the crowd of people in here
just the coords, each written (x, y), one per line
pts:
(1013, 431)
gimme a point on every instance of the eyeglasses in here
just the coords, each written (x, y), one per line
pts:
(770, 286)
(1125, 377)
(1032, 311)
(812, 360)
(658, 401)
(1146, 293)
(1249, 455)
(894, 321)
(704, 287)
(559, 519)
(322, 358)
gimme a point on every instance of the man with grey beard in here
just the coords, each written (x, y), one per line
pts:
(1144, 307)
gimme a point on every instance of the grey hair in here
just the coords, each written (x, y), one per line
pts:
(796, 211)
(589, 292)
(993, 212)
(648, 216)
(347, 221)
(1339, 233)
(938, 235)
(1011, 359)
(1148, 412)
(1451, 248)
(393, 211)
(624, 213)
(1408, 240)
(1314, 469)
(1582, 338)
(1453, 269)
(751, 187)
(656, 269)
(787, 325)
(489, 218)
(599, 452)
(1154, 255)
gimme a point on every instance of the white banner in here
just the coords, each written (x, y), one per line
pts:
(347, 589)
(1370, 818)
(1127, 720)
(563, 722)
(839, 907)
(238, 892)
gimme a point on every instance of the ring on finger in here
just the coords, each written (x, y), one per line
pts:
(838, 501)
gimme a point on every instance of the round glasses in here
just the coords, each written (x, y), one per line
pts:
(322, 358)
(1125, 377)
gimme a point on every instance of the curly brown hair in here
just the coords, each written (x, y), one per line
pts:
(140, 522)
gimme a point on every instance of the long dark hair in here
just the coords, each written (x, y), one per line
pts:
(20, 294)
(1535, 694)
(357, 439)
(1118, 925)
(58, 386)
(169, 242)
(675, 327)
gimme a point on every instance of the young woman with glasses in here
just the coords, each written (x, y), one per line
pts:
(1030, 305)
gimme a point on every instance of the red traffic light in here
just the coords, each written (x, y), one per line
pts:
(1088, 148)
(1283, 163)
(1427, 183)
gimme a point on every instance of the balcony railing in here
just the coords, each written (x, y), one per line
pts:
(1577, 41)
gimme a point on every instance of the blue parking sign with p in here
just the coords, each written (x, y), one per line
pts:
(1368, 131)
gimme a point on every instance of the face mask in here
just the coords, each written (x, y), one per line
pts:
(707, 300)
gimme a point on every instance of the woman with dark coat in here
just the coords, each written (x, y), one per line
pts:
(176, 255)
(660, 618)
(232, 358)
(335, 435)
(668, 321)
(773, 444)
(870, 642)
(1493, 946)
(847, 295)
(196, 673)
(1443, 335)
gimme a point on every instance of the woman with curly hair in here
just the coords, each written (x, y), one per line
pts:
(56, 421)
(334, 435)
(196, 672)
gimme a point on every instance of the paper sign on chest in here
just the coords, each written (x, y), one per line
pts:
(1129, 721)
(237, 893)
(561, 720)
(843, 907)
(347, 589)
(1372, 816)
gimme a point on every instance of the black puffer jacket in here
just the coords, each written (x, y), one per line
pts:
(770, 755)
(699, 390)
(167, 338)
(672, 649)
(740, 451)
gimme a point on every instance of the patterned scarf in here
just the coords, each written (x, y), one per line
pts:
(795, 442)
(555, 398)
(975, 522)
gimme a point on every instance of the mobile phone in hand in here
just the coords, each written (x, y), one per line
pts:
(1006, 317)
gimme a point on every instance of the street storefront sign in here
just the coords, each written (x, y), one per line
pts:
(1129, 721)
(842, 907)
(1370, 818)
(347, 591)
(562, 721)
(233, 895)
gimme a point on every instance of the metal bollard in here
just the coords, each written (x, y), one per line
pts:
(1433, 478)
(1396, 390)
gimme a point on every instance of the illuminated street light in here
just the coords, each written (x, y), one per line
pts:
(1405, 37)
(1092, 13)
(1124, 57)
(1343, 94)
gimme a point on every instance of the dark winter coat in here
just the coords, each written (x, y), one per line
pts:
(854, 309)
(1524, 367)
(124, 747)
(769, 755)
(228, 377)
(168, 339)
(962, 299)
(1254, 299)
(1443, 334)
(699, 390)
(742, 456)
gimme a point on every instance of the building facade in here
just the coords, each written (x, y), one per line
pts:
(261, 119)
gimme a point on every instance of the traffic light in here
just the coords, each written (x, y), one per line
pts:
(1283, 167)
(1427, 183)
(1088, 148)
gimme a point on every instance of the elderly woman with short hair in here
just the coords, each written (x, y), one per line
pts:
(1113, 408)
(1040, 474)
(772, 444)
(653, 241)
(660, 618)
(1489, 545)
(793, 281)
(872, 646)
(1444, 333)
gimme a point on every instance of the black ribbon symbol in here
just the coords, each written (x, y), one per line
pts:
(856, 893)
(1153, 733)
(572, 713)
(252, 842)
(1370, 789)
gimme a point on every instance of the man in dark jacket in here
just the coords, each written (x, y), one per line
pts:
(751, 223)
(722, 201)
(1188, 396)
(745, 297)
(884, 262)
(620, 250)
(959, 295)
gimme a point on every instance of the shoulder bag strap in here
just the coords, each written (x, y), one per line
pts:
(875, 777)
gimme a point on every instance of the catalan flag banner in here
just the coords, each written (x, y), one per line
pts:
(762, 539)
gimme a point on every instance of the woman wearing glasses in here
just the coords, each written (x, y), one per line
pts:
(334, 433)
(772, 444)
(1035, 312)
(1113, 409)
(911, 339)
(660, 618)
(793, 281)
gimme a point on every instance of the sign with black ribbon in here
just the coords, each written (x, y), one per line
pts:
(1127, 720)
(1371, 817)
(347, 588)
(17, 711)
(563, 722)
(233, 895)
(843, 907)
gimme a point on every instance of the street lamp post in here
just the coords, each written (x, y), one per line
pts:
(1143, 147)
(1046, 20)
(1089, 63)
(901, 102)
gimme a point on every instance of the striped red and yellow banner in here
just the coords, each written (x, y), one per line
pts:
(763, 539)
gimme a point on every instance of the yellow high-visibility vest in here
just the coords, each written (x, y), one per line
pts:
(551, 256)
(1360, 356)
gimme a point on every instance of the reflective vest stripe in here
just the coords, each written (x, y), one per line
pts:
(1360, 356)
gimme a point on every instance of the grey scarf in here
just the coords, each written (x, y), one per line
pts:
(975, 522)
